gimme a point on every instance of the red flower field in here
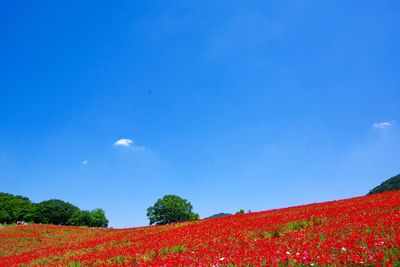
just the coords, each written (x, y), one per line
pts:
(358, 231)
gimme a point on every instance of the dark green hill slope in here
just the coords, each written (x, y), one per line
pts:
(388, 185)
(221, 214)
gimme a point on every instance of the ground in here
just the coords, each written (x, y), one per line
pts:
(358, 231)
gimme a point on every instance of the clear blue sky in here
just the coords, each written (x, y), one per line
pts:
(229, 104)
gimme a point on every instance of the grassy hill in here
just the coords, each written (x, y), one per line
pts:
(221, 214)
(358, 231)
(388, 185)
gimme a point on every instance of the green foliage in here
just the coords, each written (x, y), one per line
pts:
(15, 208)
(149, 255)
(55, 211)
(170, 209)
(94, 218)
(388, 185)
(297, 225)
(80, 218)
(261, 234)
(175, 249)
(98, 217)
(282, 230)
(117, 259)
(241, 211)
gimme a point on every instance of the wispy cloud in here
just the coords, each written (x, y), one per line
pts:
(382, 125)
(125, 142)
(128, 143)
(84, 162)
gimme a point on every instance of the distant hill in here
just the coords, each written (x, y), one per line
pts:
(388, 185)
(221, 214)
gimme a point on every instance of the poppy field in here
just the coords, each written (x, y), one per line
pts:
(352, 232)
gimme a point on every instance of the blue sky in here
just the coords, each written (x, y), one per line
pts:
(229, 104)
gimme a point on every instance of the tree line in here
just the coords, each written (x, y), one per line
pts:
(14, 208)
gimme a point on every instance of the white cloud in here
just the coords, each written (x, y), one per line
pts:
(85, 162)
(128, 143)
(124, 142)
(382, 125)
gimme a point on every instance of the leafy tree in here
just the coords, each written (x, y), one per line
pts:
(5, 216)
(94, 218)
(241, 211)
(15, 208)
(54, 211)
(170, 209)
(98, 218)
(80, 218)
(388, 185)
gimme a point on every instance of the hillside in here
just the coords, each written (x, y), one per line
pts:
(388, 185)
(221, 214)
(358, 231)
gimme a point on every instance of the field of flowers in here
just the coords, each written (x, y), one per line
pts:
(357, 231)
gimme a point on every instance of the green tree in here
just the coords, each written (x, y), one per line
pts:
(241, 211)
(80, 218)
(94, 218)
(170, 209)
(5, 216)
(15, 208)
(98, 218)
(54, 211)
